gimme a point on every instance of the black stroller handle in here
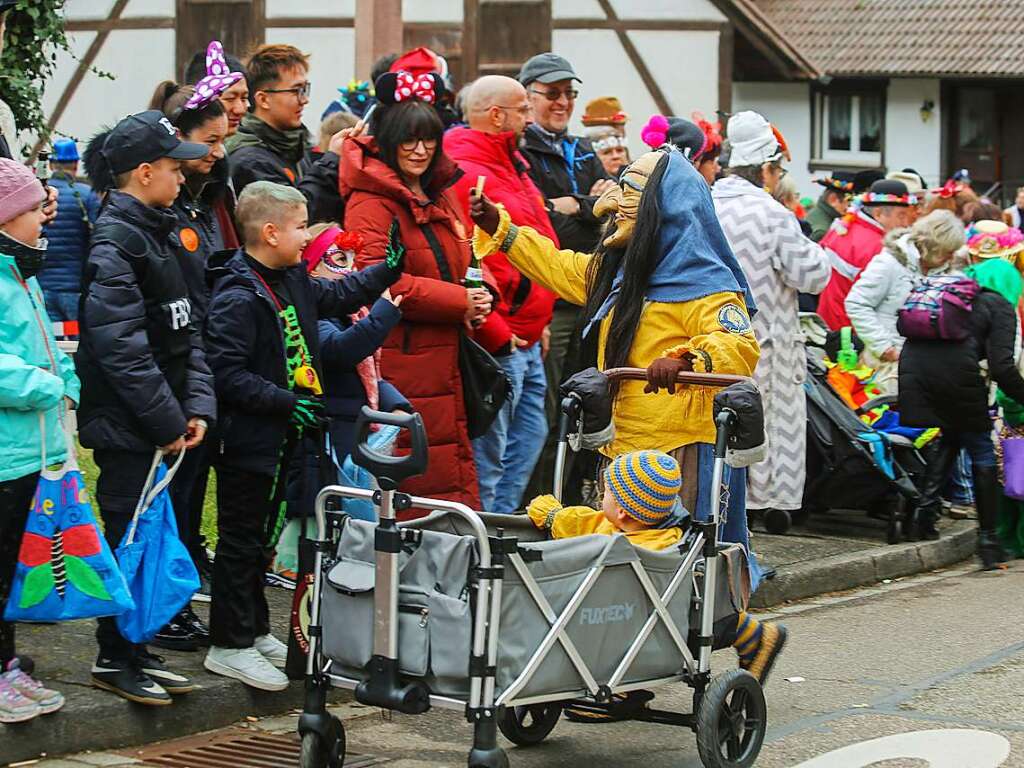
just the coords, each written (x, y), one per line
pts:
(390, 471)
(683, 377)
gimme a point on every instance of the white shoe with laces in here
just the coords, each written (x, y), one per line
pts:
(14, 707)
(48, 701)
(272, 649)
(247, 665)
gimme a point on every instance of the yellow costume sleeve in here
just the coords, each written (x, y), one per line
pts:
(564, 272)
(564, 522)
(721, 337)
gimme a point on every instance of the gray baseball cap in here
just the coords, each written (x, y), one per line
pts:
(547, 68)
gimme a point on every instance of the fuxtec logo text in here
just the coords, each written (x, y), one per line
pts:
(609, 614)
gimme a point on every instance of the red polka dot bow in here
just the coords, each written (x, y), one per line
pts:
(409, 87)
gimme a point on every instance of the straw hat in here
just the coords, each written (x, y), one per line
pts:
(988, 239)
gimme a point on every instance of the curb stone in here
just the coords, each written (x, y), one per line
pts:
(858, 569)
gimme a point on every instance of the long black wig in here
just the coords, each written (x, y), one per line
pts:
(637, 261)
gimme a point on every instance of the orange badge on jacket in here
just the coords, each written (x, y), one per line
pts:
(190, 239)
(290, 174)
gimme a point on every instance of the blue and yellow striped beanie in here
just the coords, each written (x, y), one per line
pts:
(645, 484)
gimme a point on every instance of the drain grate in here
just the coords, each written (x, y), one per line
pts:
(236, 748)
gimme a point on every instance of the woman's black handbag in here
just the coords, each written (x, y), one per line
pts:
(485, 385)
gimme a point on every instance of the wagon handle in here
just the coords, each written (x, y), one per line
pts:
(684, 377)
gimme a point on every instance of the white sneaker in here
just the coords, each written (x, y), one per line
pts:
(15, 707)
(272, 649)
(247, 665)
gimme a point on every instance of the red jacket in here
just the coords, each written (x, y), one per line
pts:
(421, 355)
(852, 242)
(494, 156)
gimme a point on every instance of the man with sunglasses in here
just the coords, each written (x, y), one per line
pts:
(271, 140)
(571, 176)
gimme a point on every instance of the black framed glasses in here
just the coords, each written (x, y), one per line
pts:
(524, 110)
(300, 91)
(571, 94)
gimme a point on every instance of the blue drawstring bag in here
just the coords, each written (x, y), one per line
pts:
(65, 569)
(157, 567)
(382, 441)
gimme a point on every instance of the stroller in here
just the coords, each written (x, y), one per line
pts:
(481, 614)
(850, 465)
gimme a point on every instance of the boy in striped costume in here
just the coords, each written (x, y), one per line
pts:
(640, 493)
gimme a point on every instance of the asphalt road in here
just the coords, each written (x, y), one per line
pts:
(936, 652)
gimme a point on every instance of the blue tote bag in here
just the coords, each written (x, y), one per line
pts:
(65, 569)
(157, 567)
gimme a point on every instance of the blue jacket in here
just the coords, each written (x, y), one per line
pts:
(343, 345)
(246, 349)
(27, 388)
(68, 235)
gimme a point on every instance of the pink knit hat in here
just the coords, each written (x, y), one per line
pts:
(20, 191)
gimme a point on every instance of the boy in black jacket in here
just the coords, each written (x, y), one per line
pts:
(145, 382)
(264, 349)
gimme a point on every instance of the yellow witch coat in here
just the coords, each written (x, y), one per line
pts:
(581, 521)
(716, 329)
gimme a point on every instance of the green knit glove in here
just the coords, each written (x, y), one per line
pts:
(307, 413)
(394, 252)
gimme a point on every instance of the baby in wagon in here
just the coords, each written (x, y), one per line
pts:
(641, 491)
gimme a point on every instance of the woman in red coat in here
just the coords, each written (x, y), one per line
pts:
(402, 173)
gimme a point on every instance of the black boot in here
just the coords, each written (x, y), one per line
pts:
(986, 500)
(908, 525)
(939, 456)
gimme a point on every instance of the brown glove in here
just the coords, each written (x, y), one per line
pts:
(661, 374)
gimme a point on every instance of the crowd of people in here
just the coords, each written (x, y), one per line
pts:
(240, 291)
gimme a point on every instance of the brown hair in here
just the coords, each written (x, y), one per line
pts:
(266, 62)
(982, 211)
(956, 203)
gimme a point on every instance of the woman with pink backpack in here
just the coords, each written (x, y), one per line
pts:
(942, 383)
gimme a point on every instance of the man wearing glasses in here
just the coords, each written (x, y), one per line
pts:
(571, 176)
(271, 140)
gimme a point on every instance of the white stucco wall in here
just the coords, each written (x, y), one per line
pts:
(612, 74)
(787, 105)
(911, 142)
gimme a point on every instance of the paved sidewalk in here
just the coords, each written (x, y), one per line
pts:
(831, 554)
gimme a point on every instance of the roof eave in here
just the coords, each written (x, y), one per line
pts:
(768, 39)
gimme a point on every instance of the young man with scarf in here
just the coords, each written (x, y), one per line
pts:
(271, 140)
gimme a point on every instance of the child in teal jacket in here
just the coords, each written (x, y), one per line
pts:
(35, 378)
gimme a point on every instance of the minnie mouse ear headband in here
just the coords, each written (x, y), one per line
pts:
(218, 78)
(994, 239)
(396, 87)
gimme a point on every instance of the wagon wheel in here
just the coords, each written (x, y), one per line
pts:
(731, 721)
(777, 521)
(316, 753)
(529, 725)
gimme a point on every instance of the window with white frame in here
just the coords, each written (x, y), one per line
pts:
(849, 126)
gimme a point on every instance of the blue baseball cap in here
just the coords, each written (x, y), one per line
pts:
(65, 151)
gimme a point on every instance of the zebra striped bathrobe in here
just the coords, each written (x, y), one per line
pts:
(778, 262)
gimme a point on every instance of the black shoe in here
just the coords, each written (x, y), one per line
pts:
(176, 636)
(195, 624)
(990, 550)
(155, 667)
(128, 682)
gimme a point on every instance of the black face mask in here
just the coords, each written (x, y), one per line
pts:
(29, 260)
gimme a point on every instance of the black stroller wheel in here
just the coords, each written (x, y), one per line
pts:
(316, 753)
(731, 721)
(777, 521)
(526, 726)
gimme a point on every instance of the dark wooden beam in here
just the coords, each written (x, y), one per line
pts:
(660, 25)
(470, 37)
(636, 59)
(726, 52)
(80, 72)
(293, 22)
(109, 25)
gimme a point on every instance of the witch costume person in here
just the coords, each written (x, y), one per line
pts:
(664, 292)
